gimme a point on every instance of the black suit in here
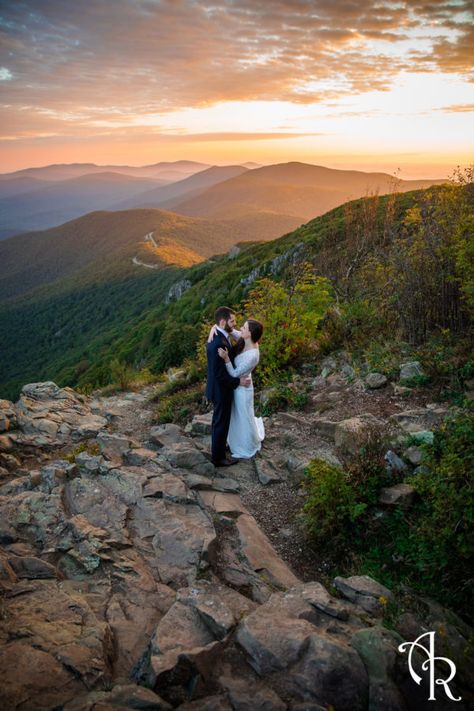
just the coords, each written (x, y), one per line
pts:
(220, 391)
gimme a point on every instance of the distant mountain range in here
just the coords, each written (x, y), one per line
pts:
(40, 198)
(164, 170)
(296, 189)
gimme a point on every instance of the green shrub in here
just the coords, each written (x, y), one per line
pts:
(291, 314)
(442, 533)
(282, 397)
(331, 509)
(180, 406)
(121, 373)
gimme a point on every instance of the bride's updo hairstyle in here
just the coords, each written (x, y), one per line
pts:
(256, 330)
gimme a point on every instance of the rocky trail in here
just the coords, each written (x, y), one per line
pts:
(135, 575)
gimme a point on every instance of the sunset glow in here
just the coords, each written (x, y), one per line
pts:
(373, 86)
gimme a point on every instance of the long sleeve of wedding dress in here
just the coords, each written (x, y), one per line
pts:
(244, 363)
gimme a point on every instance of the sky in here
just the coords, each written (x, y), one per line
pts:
(360, 84)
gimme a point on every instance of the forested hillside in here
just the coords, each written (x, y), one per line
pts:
(400, 269)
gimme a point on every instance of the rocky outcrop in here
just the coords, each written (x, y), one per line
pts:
(47, 416)
(133, 575)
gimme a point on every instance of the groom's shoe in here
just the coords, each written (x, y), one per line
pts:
(227, 462)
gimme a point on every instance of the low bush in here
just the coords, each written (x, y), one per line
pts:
(282, 397)
(331, 510)
(429, 547)
(180, 406)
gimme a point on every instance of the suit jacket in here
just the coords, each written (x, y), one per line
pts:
(220, 384)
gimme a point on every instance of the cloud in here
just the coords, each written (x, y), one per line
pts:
(83, 66)
(457, 109)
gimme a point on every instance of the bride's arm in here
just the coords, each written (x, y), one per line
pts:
(246, 365)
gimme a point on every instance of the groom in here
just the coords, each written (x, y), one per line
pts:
(220, 385)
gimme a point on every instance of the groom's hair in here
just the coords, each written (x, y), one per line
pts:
(223, 312)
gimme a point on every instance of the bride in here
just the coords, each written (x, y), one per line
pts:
(246, 432)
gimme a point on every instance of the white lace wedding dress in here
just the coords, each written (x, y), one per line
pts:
(246, 432)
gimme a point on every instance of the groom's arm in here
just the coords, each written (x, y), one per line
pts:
(218, 366)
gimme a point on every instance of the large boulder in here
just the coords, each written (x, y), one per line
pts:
(375, 381)
(350, 434)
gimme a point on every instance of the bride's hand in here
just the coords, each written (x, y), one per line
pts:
(212, 333)
(223, 354)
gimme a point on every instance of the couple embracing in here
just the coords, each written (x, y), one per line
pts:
(230, 388)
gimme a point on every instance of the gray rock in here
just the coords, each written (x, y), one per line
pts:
(332, 673)
(266, 472)
(411, 369)
(394, 463)
(167, 435)
(273, 642)
(164, 485)
(378, 648)
(183, 644)
(317, 596)
(324, 427)
(202, 424)
(364, 591)
(414, 455)
(174, 538)
(91, 464)
(398, 495)
(245, 696)
(422, 469)
(348, 371)
(420, 420)
(32, 568)
(349, 434)
(219, 607)
(328, 366)
(113, 445)
(56, 473)
(375, 381)
(184, 455)
(139, 457)
(196, 481)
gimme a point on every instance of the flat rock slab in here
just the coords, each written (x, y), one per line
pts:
(167, 435)
(261, 556)
(221, 502)
(168, 486)
(224, 484)
(139, 457)
(173, 538)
